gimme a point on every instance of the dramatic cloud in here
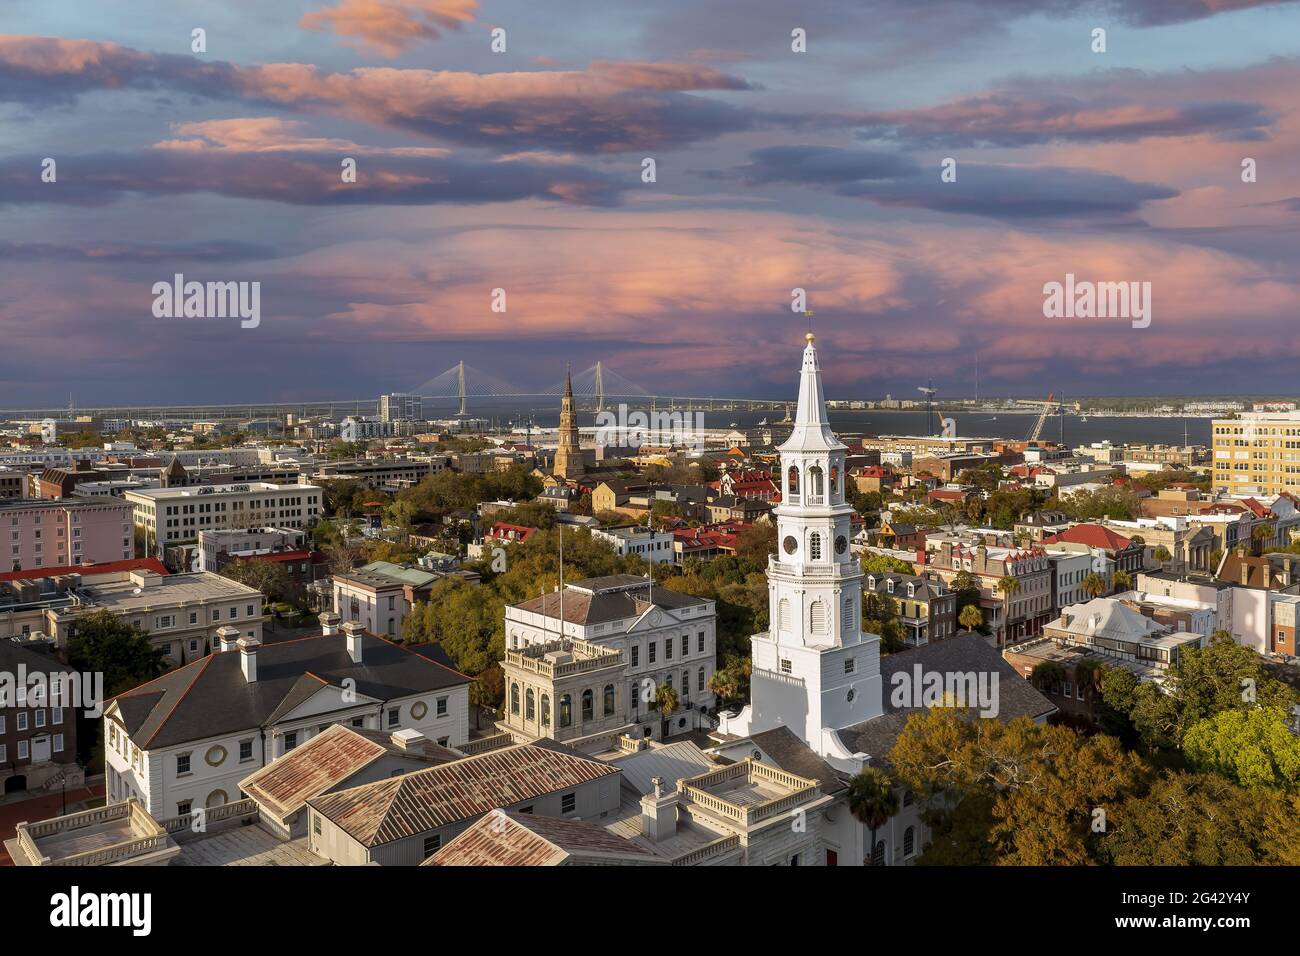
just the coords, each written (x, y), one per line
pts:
(1012, 118)
(300, 178)
(822, 165)
(390, 26)
(612, 107)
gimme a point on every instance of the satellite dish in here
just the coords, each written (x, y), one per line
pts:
(136, 591)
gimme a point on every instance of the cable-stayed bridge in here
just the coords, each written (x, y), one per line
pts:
(460, 386)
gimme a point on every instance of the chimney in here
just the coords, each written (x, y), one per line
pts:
(659, 812)
(1245, 572)
(353, 630)
(226, 639)
(248, 657)
(409, 739)
(329, 623)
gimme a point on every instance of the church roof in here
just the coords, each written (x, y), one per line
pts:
(965, 653)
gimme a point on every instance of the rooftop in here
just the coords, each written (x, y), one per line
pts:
(524, 839)
(145, 591)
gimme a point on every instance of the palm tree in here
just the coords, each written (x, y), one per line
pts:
(970, 617)
(872, 801)
(1261, 534)
(1008, 585)
(1122, 581)
(1094, 585)
(665, 700)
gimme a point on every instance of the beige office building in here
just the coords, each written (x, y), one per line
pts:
(1257, 453)
(173, 515)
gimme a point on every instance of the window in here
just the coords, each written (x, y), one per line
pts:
(40, 718)
(878, 854)
(431, 845)
(546, 710)
(530, 706)
(668, 649)
(23, 749)
(849, 665)
(792, 484)
(609, 699)
(394, 715)
(290, 740)
(699, 649)
(245, 751)
(22, 718)
(182, 764)
(566, 710)
(588, 705)
(909, 842)
(783, 614)
(636, 656)
(814, 547)
(686, 644)
(568, 802)
(514, 698)
(440, 708)
(315, 824)
(527, 809)
(785, 666)
(699, 681)
(817, 616)
(908, 799)
(234, 613)
(650, 652)
(58, 743)
(183, 807)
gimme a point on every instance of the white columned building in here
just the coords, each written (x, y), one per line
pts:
(814, 671)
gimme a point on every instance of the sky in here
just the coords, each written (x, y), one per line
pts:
(524, 170)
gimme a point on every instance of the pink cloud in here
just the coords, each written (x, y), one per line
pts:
(391, 26)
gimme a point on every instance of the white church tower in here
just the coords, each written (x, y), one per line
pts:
(814, 672)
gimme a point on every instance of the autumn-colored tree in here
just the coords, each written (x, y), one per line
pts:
(269, 577)
(970, 617)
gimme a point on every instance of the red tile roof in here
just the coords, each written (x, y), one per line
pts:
(1092, 535)
(90, 567)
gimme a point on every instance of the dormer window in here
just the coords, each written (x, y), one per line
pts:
(889, 585)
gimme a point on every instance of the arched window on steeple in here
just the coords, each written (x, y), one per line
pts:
(835, 484)
(815, 485)
(817, 616)
(792, 485)
(814, 547)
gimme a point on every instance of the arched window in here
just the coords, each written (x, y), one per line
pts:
(217, 798)
(850, 611)
(792, 485)
(835, 482)
(878, 854)
(784, 614)
(814, 547)
(588, 705)
(686, 682)
(514, 698)
(815, 485)
(909, 841)
(566, 710)
(609, 699)
(817, 616)
(530, 705)
(546, 710)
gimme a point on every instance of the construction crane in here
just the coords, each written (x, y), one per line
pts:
(1049, 406)
(928, 390)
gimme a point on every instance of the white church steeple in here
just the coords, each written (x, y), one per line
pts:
(814, 670)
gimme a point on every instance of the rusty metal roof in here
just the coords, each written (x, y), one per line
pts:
(426, 800)
(325, 761)
(521, 839)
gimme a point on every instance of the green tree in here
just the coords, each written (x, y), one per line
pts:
(885, 564)
(970, 617)
(872, 801)
(1094, 585)
(1254, 748)
(1187, 819)
(269, 577)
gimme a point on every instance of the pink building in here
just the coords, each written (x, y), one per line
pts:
(37, 533)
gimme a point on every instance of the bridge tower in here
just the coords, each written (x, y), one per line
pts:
(600, 388)
(460, 388)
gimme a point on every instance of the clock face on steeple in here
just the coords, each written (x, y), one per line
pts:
(841, 544)
(791, 545)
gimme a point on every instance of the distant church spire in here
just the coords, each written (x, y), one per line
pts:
(568, 456)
